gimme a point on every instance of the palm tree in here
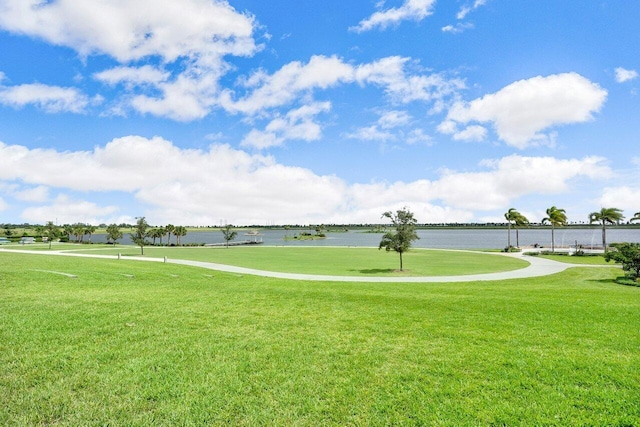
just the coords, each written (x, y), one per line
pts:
(520, 221)
(156, 233)
(180, 231)
(510, 215)
(169, 229)
(556, 217)
(636, 217)
(89, 229)
(606, 216)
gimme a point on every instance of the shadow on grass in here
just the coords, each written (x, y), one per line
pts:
(620, 280)
(376, 271)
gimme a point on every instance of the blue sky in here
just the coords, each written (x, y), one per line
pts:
(199, 112)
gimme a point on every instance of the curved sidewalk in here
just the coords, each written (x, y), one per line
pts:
(538, 267)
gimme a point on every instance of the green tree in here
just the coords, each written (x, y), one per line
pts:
(606, 216)
(114, 233)
(180, 231)
(403, 234)
(520, 221)
(627, 254)
(636, 217)
(89, 229)
(557, 218)
(169, 228)
(139, 235)
(510, 216)
(52, 231)
(78, 231)
(156, 233)
(228, 233)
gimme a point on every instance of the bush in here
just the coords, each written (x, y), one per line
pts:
(627, 254)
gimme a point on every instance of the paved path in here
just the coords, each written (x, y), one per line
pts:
(537, 267)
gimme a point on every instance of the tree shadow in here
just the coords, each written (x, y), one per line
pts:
(375, 271)
(620, 280)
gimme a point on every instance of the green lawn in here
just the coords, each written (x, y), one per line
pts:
(333, 261)
(163, 344)
(585, 260)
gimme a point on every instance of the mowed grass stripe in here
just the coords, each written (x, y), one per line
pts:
(103, 349)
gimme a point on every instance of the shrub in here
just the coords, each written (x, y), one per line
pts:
(627, 254)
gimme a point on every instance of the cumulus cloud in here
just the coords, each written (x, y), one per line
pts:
(198, 187)
(381, 130)
(52, 99)
(193, 35)
(623, 197)
(296, 124)
(286, 84)
(521, 111)
(68, 211)
(130, 31)
(33, 194)
(394, 75)
(623, 75)
(414, 10)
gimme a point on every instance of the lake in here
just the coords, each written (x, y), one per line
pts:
(445, 238)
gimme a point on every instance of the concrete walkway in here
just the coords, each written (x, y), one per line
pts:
(537, 267)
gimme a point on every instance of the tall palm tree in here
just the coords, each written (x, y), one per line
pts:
(510, 216)
(606, 216)
(520, 221)
(557, 218)
(169, 228)
(636, 217)
(180, 231)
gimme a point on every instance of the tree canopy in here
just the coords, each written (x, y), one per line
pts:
(404, 233)
(139, 235)
(606, 216)
(556, 217)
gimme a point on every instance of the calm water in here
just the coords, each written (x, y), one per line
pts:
(443, 239)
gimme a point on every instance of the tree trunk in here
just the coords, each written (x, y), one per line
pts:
(400, 261)
(509, 236)
(517, 239)
(604, 236)
(553, 239)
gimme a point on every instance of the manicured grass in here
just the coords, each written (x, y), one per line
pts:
(584, 260)
(163, 344)
(334, 261)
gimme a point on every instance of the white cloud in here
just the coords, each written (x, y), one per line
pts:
(465, 10)
(285, 85)
(381, 130)
(34, 194)
(130, 31)
(623, 197)
(458, 28)
(401, 86)
(392, 74)
(472, 133)
(296, 124)
(522, 110)
(623, 75)
(414, 10)
(68, 211)
(394, 118)
(198, 187)
(52, 99)
(192, 35)
(133, 76)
